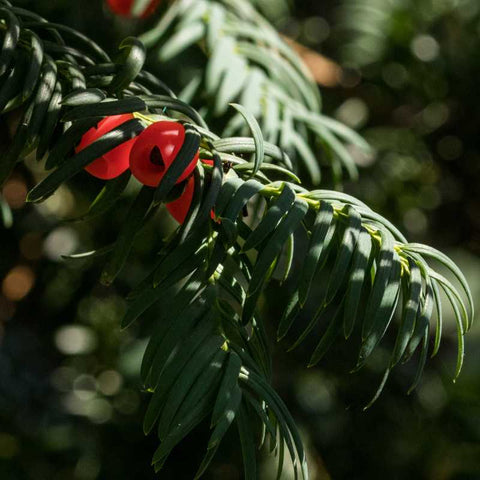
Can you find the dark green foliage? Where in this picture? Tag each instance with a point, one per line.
(246, 61)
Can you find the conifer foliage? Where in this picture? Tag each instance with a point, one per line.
(209, 354)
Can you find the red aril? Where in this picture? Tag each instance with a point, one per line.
(115, 162)
(155, 150)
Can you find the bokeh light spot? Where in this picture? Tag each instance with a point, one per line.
(395, 75)
(314, 392)
(415, 221)
(435, 115)
(109, 382)
(18, 283)
(62, 241)
(99, 411)
(353, 112)
(75, 340)
(425, 48)
(432, 394)
(15, 193)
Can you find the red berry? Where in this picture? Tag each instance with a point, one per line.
(179, 208)
(155, 150)
(115, 162)
(124, 7)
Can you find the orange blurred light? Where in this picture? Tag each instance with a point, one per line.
(18, 283)
(15, 193)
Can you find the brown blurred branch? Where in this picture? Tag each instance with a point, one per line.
(325, 71)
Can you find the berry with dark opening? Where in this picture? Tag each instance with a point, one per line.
(155, 150)
(115, 162)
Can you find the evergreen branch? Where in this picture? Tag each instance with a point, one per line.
(209, 354)
(247, 61)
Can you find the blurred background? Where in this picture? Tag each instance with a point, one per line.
(402, 72)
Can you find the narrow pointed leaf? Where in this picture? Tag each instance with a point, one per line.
(50, 121)
(409, 314)
(247, 443)
(231, 85)
(43, 94)
(322, 224)
(289, 314)
(271, 218)
(448, 263)
(333, 331)
(345, 254)
(227, 418)
(198, 353)
(356, 282)
(423, 356)
(260, 410)
(175, 304)
(229, 381)
(105, 108)
(165, 373)
(134, 54)
(257, 136)
(382, 275)
(379, 389)
(382, 316)
(439, 324)
(423, 317)
(180, 328)
(10, 38)
(36, 60)
(190, 247)
(274, 245)
(84, 97)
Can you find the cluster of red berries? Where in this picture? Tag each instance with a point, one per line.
(124, 7)
(148, 157)
(150, 154)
